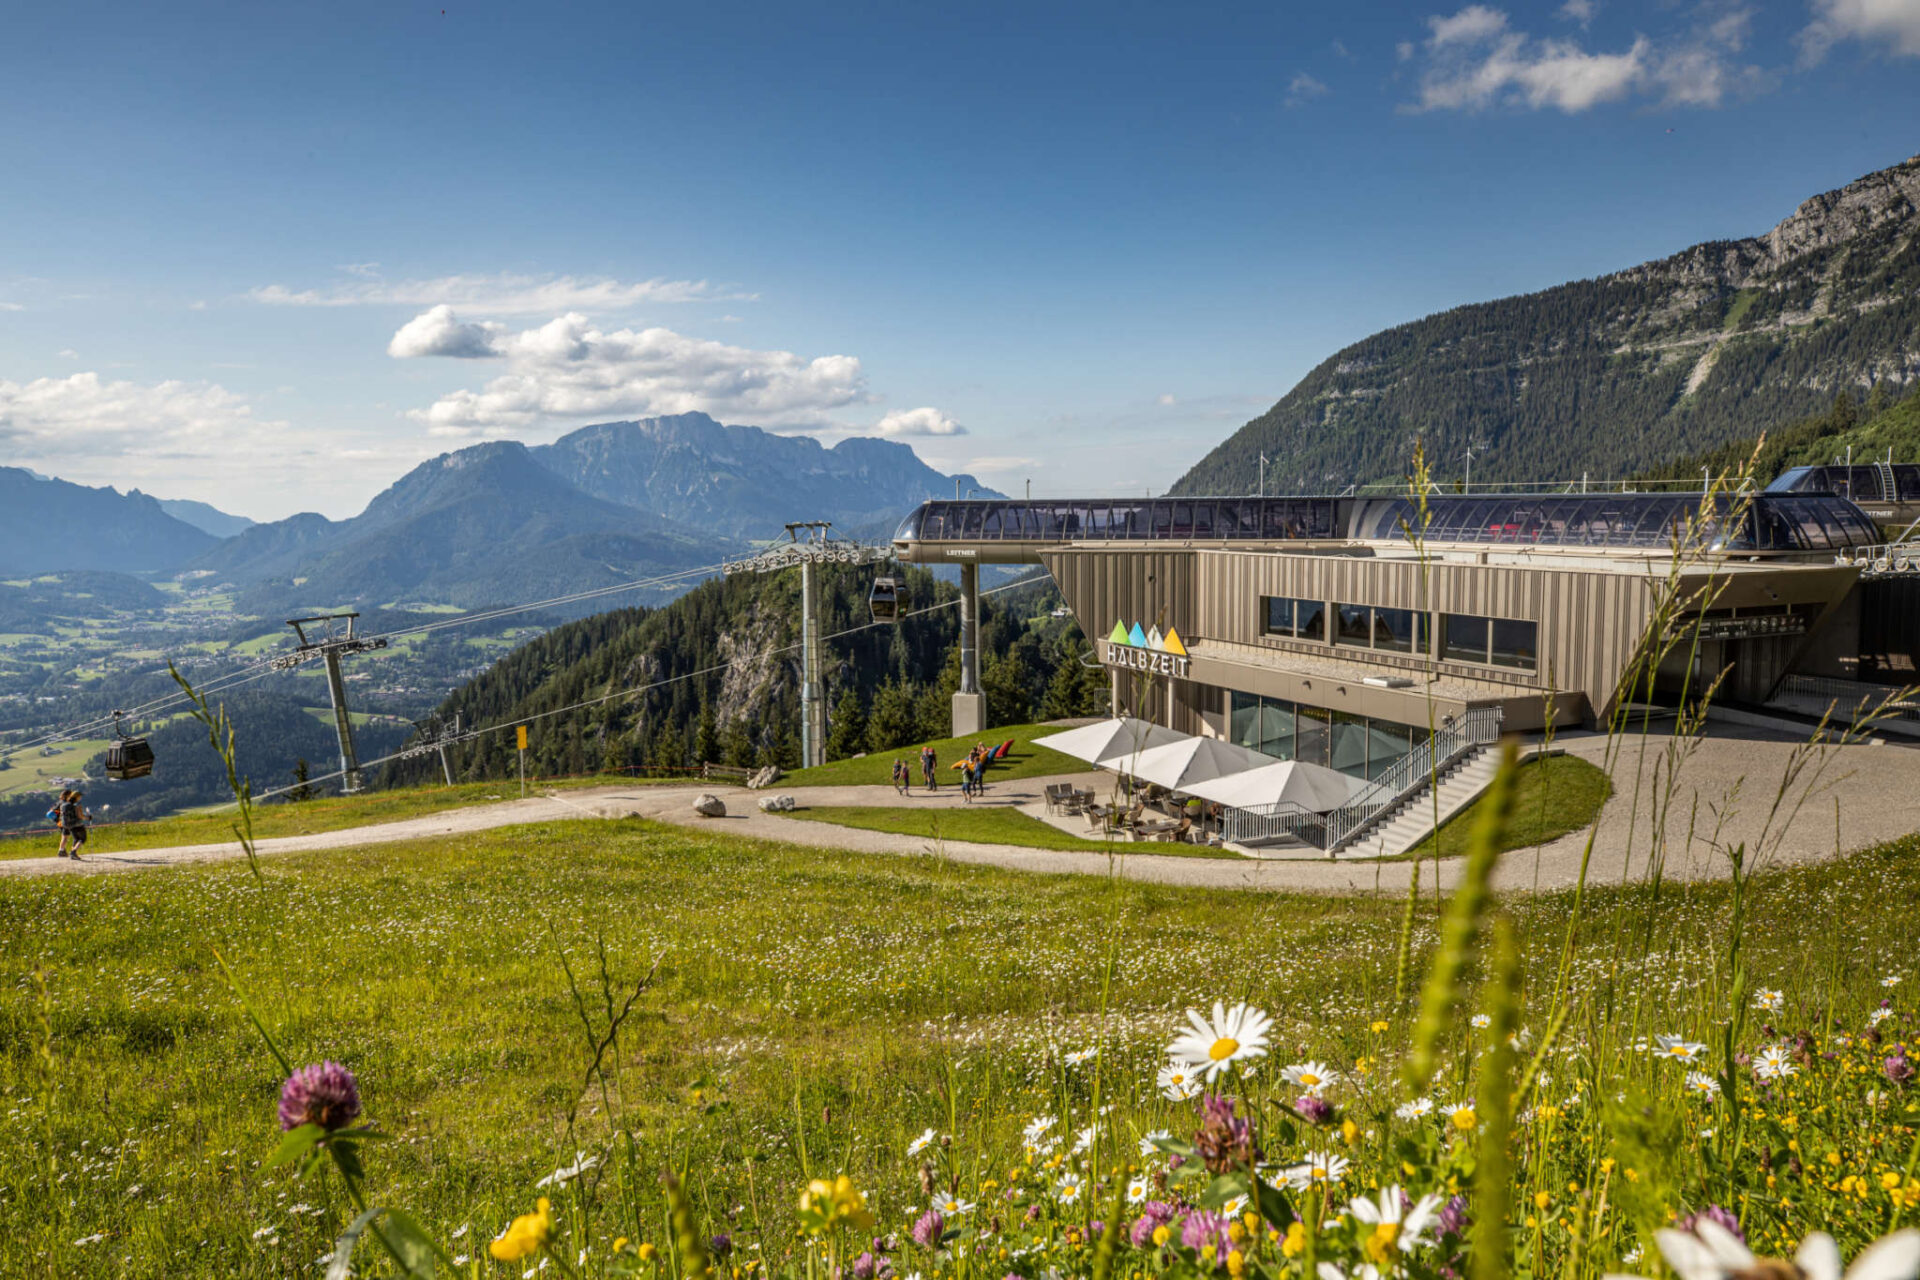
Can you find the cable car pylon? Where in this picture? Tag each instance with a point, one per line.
(810, 543)
(329, 647)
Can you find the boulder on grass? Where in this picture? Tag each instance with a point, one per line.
(710, 806)
(776, 804)
(764, 778)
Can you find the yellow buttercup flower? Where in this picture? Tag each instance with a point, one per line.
(1296, 1241)
(825, 1203)
(528, 1235)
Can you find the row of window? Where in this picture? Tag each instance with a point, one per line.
(1464, 637)
(1356, 745)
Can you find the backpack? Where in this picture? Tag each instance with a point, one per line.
(70, 814)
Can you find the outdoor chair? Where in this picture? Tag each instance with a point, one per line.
(1057, 795)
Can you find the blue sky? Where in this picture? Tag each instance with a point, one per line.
(272, 257)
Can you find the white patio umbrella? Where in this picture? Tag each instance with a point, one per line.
(1109, 740)
(1311, 786)
(1179, 765)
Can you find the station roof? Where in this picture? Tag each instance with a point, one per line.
(1724, 523)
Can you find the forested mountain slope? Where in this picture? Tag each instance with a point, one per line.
(1617, 374)
(49, 525)
(724, 665)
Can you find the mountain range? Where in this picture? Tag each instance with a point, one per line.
(495, 522)
(1616, 374)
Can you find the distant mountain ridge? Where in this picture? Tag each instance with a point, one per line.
(608, 503)
(1616, 374)
(48, 525)
(206, 518)
(742, 481)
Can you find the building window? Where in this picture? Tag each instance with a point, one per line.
(1499, 642)
(1387, 630)
(1293, 619)
(1355, 745)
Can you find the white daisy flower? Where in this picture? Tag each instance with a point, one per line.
(1147, 1140)
(1771, 1001)
(1178, 1082)
(1774, 1063)
(581, 1163)
(1036, 1127)
(1891, 980)
(1393, 1208)
(1699, 1082)
(1878, 1016)
(1085, 1138)
(1678, 1048)
(1138, 1190)
(952, 1206)
(1481, 1020)
(1310, 1076)
(1711, 1252)
(1068, 1188)
(1234, 1207)
(1415, 1109)
(920, 1143)
(1231, 1035)
(1079, 1056)
(1319, 1168)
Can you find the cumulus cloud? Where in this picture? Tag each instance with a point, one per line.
(1304, 88)
(569, 368)
(918, 422)
(439, 333)
(503, 293)
(1580, 11)
(50, 420)
(1474, 60)
(1892, 24)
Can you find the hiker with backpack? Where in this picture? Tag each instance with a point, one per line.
(71, 817)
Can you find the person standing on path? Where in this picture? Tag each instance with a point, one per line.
(58, 817)
(929, 767)
(73, 823)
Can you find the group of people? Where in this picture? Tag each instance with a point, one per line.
(973, 771)
(71, 817)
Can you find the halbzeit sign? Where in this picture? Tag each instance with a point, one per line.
(1146, 650)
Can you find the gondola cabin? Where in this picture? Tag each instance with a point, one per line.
(884, 600)
(129, 758)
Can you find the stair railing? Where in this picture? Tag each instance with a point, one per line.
(1475, 728)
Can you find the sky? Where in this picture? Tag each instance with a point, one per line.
(271, 257)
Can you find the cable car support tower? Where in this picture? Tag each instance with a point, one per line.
(333, 638)
(810, 543)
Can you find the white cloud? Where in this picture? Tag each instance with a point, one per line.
(1474, 24)
(503, 293)
(1304, 88)
(1168, 400)
(1580, 11)
(569, 368)
(1892, 23)
(439, 333)
(54, 420)
(918, 422)
(11, 306)
(67, 353)
(1475, 60)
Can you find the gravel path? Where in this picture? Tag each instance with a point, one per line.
(1726, 795)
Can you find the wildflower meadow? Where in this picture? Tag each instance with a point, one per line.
(637, 1050)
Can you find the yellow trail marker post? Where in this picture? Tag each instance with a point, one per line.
(520, 737)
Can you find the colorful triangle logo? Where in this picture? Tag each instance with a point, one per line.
(1136, 637)
(1153, 640)
(1172, 643)
(1119, 635)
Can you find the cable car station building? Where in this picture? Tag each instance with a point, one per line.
(1319, 628)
